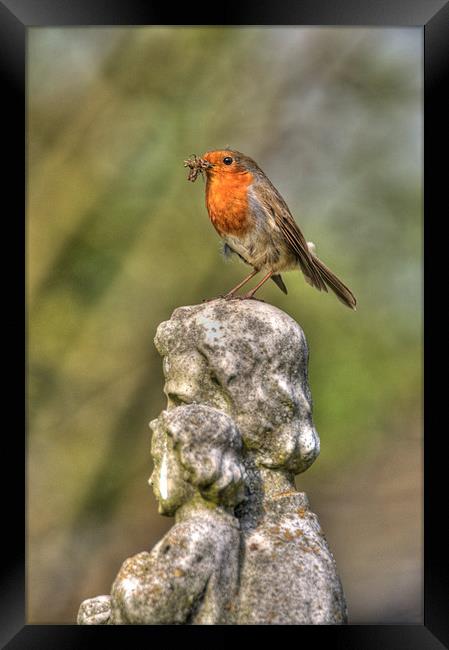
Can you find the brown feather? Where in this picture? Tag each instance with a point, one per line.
(277, 279)
(274, 204)
(342, 292)
(316, 273)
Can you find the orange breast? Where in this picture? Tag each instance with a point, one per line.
(227, 202)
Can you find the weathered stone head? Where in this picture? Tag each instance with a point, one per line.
(191, 575)
(249, 360)
(196, 449)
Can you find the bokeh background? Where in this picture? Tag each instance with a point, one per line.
(117, 239)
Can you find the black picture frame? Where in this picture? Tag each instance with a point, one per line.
(16, 16)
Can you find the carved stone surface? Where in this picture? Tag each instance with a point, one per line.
(236, 371)
(191, 575)
(288, 574)
(248, 359)
(95, 611)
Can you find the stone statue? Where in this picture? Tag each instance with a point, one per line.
(247, 360)
(191, 575)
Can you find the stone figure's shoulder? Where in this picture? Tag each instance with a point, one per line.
(192, 536)
(185, 542)
(161, 586)
(139, 561)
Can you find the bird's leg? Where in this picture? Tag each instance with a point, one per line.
(240, 284)
(251, 293)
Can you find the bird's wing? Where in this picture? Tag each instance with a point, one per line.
(273, 204)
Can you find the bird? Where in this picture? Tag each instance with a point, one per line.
(255, 223)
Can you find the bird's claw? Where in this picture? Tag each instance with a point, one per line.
(252, 298)
(204, 300)
(244, 297)
(228, 296)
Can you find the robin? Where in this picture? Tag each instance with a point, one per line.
(255, 223)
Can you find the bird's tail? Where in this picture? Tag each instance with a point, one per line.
(342, 292)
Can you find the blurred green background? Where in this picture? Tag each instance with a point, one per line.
(117, 239)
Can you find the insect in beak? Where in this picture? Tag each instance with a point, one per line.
(196, 166)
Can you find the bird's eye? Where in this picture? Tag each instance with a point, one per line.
(228, 160)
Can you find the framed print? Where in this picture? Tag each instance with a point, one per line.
(342, 105)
